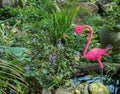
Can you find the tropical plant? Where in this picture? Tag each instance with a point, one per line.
(11, 78)
(60, 23)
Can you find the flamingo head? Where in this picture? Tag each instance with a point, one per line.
(78, 29)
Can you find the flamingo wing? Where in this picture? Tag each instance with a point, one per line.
(96, 54)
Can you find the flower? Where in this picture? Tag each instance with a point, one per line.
(78, 54)
(52, 57)
(27, 69)
(59, 45)
(33, 40)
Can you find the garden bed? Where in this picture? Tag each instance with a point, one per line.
(39, 51)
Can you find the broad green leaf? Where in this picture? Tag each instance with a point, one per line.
(18, 51)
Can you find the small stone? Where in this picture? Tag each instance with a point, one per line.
(83, 88)
(46, 91)
(61, 90)
(13, 3)
(98, 88)
(77, 92)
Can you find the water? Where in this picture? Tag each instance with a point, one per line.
(112, 85)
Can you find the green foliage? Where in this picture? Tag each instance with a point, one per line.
(113, 15)
(61, 24)
(94, 20)
(27, 44)
(39, 43)
(116, 57)
(7, 12)
(11, 76)
(111, 70)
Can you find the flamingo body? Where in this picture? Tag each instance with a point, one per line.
(95, 54)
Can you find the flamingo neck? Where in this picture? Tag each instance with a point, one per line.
(89, 39)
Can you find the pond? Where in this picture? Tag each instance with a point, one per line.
(112, 84)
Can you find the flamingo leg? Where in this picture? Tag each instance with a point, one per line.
(100, 63)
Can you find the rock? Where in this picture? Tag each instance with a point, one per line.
(98, 88)
(62, 91)
(86, 88)
(79, 89)
(89, 7)
(108, 36)
(6, 3)
(13, 3)
(82, 89)
(104, 1)
(59, 1)
(86, 9)
(46, 91)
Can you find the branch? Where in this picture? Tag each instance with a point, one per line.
(85, 70)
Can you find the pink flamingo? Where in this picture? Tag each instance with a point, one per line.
(95, 53)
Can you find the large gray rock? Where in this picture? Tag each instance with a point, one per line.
(108, 36)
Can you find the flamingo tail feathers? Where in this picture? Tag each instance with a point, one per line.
(108, 47)
(100, 63)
